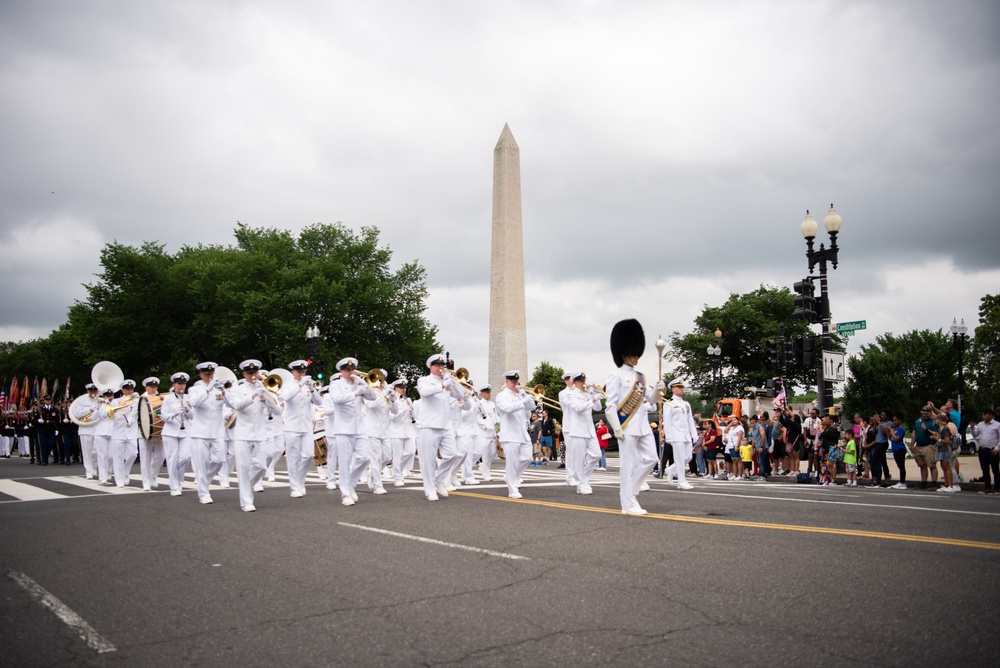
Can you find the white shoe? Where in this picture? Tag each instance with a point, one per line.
(684, 485)
(347, 501)
(634, 511)
(205, 501)
(451, 488)
(471, 481)
(899, 485)
(601, 468)
(331, 487)
(398, 483)
(584, 488)
(956, 488)
(515, 495)
(175, 492)
(379, 491)
(442, 491)
(571, 482)
(259, 487)
(249, 509)
(224, 485)
(88, 477)
(432, 496)
(354, 495)
(297, 494)
(487, 478)
(147, 488)
(270, 477)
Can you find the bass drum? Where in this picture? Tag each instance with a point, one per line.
(150, 425)
(320, 451)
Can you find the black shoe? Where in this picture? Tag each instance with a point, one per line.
(561, 466)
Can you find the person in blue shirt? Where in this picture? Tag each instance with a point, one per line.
(898, 447)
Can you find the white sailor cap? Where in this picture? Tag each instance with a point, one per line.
(107, 391)
(207, 367)
(579, 375)
(250, 366)
(568, 375)
(298, 365)
(89, 387)
(152, 380)
(180, 377)
(128, 382)
(399, 382)
(347, 362)
(676, 382)
(484, 388)
(513, 374)
(436, 358)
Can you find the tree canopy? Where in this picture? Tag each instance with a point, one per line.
(153, 312)
(985, 358)
(746, 321)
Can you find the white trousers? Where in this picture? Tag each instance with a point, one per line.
(637, 457)
(229, 465)
(124, 453)
(177, 450)
(466, 445)
(403, 450)
(486, 446)
(209, 453)
(275, 448)
(572, 478)
(299, 451)
(586, 455)
(150, 461)
(332, 461)
(379, 454)
(682, 457)
(353, 457)
(4, 446)
(517, 455)
(102, 451)
(251, 463)
(89, 455)
(434, 472)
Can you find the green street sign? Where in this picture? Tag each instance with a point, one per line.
(851, 327)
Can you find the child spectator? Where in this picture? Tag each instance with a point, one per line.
(944, 455)
(851, 461)
(746, 459)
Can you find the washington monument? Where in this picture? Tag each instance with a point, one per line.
(508, 342)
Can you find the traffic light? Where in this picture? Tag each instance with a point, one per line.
(805, 300)
(808, 346)
(317, 367)
(772, 352)
(769, 387)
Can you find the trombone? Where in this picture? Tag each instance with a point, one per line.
(538, 394)
(598, 389)
(461, 376)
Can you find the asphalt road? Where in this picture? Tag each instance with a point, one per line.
(729, 573)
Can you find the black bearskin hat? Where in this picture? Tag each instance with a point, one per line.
(627, 338)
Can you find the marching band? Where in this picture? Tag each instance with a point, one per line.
(358, 426)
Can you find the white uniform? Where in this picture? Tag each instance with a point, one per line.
(299, 400)
(637, 450)
(207, 440)
(102, 441)
(571, 477)
(581, 436)
(437, 434)
(514, 409)
(249, 435)
(487, 421)
(680, 431)
(87, 408)
(176, 412)
(229, 461)
(377, 414)
(465, 432)
(125, 439)
(151, 455)
(401, 436)
(344, 403)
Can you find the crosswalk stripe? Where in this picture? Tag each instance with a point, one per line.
(24, 492)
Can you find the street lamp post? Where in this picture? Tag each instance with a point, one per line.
(715, 361)
(661, 345)
(832, 223)
(312, 333)
(958, 337)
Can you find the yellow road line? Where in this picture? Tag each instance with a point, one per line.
(954, 542)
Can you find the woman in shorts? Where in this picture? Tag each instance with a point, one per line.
(943, 454)
(711, 448)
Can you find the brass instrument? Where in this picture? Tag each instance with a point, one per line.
(538, 394)
(88, 419)
(272, 382)
(461, 376)
(598, 389)
(126, 402)
(373, 378)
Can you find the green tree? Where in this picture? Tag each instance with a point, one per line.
(984, 360)
(551, 377)
(901, 373)
(747, 321)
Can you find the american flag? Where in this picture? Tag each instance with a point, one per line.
(779, 401)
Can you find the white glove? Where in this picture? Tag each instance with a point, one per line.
(660, 386)
(41, 421)
(449, 383)
(361, 391)
(615, 424)
(57, 432)
(259, 392)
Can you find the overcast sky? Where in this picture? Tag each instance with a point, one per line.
(669, 150)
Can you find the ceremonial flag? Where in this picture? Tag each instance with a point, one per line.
(25, 394)
(66, 394)
(3, 396)
(34, 390)
(45, 388)
(55, 389)
(779, 401)
(14, 394)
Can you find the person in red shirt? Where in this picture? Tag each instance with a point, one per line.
(603, 436)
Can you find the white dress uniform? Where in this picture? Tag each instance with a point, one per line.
(437, 430)
(514, 409)
(638, 450)
(486, 438)
(87, 408)
(466, 433)
(299, 396)
(345, 403)
(401, 437)
(229, 461)
(249, 436)
(378, 412)
(571, 477)
(178, 418)
(102, 440)
(125, 438)
(581, 436)
(207, 440)
(151, 450)
(463, 440)
(680, 431)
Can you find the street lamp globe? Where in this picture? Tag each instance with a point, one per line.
(831, 222)
(808, 226)
(718, 334)
(962, 329)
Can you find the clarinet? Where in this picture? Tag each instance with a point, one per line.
(181, 397)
